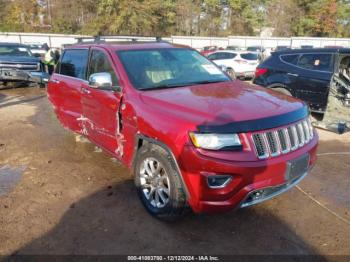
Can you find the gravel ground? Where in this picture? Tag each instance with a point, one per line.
(61, 195)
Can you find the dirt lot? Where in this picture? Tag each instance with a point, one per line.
(61, 195)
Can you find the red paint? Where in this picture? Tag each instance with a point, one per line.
(168, 116)
(207, 50)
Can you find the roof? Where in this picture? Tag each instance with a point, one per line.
(234, 51)
(314, 50)
(128, 45)
(12, 44)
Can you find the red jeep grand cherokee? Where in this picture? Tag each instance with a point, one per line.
(191, 135)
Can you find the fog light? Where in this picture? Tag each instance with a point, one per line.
(257, 195)
(219, 181)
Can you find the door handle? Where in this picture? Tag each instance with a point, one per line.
(84, 90)
(54, 81)
(291, 74)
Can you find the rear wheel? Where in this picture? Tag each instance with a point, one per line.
(158, 183)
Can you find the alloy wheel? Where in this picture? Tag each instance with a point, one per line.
(154, 182)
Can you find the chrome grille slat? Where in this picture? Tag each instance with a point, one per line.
(20, 66)
(301, 135)
(296, 139)
(286, 135)
(260, 146)
(272, 143)
(282, 141)
(306, 131)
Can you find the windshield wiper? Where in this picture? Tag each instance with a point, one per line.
(207, 82)
(164, 86)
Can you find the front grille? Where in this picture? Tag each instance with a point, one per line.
(283, 140)
(20, 66)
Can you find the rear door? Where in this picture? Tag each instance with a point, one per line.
(225, 58)
(101, 106)
(65, 87)
(313, 79)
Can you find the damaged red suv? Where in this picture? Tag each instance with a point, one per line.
(193, 137)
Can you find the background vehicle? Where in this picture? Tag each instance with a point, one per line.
(207, 50)
(240, 64)
(18, 64)
(318, 76)
(306, 46)
(333, 46)
(39, 49)
(259, 49)
(191, 135)
(233, 48)
(281, 47)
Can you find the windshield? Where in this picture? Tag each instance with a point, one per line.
(14, 51)
(165, 68)
(250, 56)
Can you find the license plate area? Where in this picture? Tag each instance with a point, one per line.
(297, 167)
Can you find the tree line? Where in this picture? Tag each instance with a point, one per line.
(323, 18)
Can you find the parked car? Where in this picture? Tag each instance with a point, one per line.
(192, 136)
(259, 49)
(207, 50)
(37, 48)
(233, 48)
(239, 64)
(308, 74)
(18, 64)
(306, 46)
(281, 47)
(333, 46)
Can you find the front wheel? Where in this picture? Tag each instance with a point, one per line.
(158, 183)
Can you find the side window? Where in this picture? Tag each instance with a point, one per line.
(227, 55)
(99, 63)
(321, 62)
(291, 59)
(74, 63)
(213, 56)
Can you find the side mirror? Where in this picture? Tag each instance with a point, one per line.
(101, 81)
(37, 55)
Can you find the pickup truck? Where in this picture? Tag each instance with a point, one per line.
(18, 64)
(193, 137)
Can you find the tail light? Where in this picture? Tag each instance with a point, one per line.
(260, 71)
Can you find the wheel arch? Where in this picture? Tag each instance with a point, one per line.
(141, 140)
(280, 85)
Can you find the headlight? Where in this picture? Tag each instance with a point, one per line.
(216, 141)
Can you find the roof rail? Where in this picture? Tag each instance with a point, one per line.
(103, 39)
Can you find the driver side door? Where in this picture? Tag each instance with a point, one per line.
(100, 107)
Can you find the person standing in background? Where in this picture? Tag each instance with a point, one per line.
(51, 58)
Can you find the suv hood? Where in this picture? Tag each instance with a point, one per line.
(221, 103)
(19, 59)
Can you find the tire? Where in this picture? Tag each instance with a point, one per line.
(42, 85)
(282, 90)
(231, 73)
(156, 172)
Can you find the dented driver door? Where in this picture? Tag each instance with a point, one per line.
(100, 118)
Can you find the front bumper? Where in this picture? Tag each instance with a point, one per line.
(247, 177)
(23, 76)
(270, 192)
